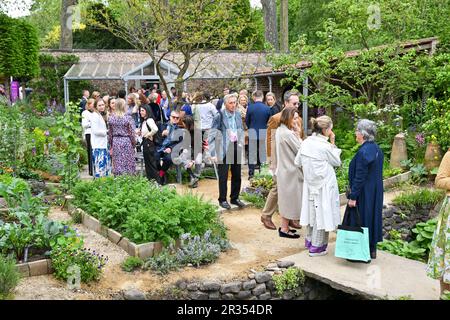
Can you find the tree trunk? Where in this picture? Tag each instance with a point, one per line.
(270, 22)
(165, 44)
(284, 28)
(66, 17)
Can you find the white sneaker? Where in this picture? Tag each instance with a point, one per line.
(318, 254)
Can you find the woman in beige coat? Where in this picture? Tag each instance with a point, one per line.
(289, 176)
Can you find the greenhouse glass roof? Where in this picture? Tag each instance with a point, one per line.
(99, 70)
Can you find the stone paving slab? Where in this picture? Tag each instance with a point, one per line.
(387, 277)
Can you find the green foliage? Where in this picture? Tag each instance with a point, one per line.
(132, 263)
(49, 87)
(258, 200)
(417, 249)
(198, 250)
(18, 48)
(9, 277)
(419, 198)
(69, 131)
(12, 138)
(68, 256)
(164, 262)
(292, 278)
(437, 122)
(445, 295)
(144, 212)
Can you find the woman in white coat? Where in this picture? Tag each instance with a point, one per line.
(99, 140)
(289, 176)
(320, 204)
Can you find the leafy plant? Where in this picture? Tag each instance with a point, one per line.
(9, 277)
(144, 212)
(131, 263)
(417, 249)
(67, 253)
(419, 198)
(164, 262)
(292, 278)
(198, 250)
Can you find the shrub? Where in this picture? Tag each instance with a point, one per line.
(198, 250)
(131, 263)
(68, 253)
(420, 197)
(164, 262)
(417, 249)
(144, 212)
(292, 278)
(9, 277)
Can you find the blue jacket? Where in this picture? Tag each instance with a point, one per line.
(258, 115)
(218, 137)
(174, 137)
(366, 183)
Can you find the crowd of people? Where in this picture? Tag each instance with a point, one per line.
(238, 129)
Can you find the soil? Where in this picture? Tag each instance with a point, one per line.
(253, 247)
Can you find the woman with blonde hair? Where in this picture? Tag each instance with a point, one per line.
(320, 202)
(122, 140)
(289, 176)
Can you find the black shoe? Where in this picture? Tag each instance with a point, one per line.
(225, 205)
(373, 254)
(238, 202)
(289, 234)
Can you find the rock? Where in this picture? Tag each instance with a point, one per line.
(288, 295)
(253, 271)
(228, 296)
(181, 284)
(275, 269)
(233, 287)
(192, 286)
(261, 277)
(243, 295)
(133, 294)
(214, 295)
(271, 265)
(270, 285)
(259, 289)
(198, 295)
(265, 296)
(285, 264)
(388, 213)
(313, 295)
(278, 272)
(251, 276)
(253, 298)
(249, 285)
(210, 286)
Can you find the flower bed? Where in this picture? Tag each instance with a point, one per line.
(140, 216)
(408, 223)
(37, 244)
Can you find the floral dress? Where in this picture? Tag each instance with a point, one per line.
(122, 143)
(439, 260)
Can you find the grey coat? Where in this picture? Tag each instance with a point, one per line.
(218, 139)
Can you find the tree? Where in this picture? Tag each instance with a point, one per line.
(284, 24)
(193, 29)
(271, 22)
(67, 12)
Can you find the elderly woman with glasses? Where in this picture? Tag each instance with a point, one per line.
(366, 183)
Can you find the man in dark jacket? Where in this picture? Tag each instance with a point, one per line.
(84, 100)
(226, 142)
(258, 115)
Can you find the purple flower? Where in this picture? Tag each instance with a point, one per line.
(321, 112)
(420, 139)
(47, 133)
(33, 151)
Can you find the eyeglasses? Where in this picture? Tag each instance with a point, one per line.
(175, 117)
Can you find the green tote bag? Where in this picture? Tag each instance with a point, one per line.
(352, 242)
